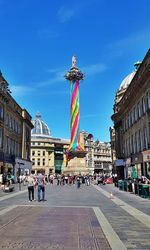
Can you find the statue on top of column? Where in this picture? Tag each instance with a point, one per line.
(73, 61)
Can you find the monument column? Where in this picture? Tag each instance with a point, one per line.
(76, 149)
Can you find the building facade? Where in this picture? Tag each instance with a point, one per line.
(113, 148)
(15, 134)
(98, 157)
(47, 152)
(132, 122)
(102, 157)
(88, 145)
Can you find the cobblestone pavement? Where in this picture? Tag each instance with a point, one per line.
(72, 218)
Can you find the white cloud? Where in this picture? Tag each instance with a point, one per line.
(56, 76)
(20, 90)
(65, 14)
(93, 69)
(132, 42)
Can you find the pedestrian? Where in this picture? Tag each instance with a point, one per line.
(31, 184)
(78, 181)
(41, 186)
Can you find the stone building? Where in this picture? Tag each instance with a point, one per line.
(47, 152)
(15, 134)
(132, 122)
(113, 150)
(88, 141)
(102, 157)
(98, 157)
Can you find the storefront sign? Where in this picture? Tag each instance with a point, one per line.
(119, 163)
(146, 157)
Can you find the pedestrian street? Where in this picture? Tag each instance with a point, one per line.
(91, 217)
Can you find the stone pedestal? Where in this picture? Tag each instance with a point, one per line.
(77, 163)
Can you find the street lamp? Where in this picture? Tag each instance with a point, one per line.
(19, 172)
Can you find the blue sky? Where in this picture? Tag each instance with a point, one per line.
(38, 39)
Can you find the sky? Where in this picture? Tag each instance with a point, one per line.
(38, 39)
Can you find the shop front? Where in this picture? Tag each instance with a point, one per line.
(128, 168)
(137, 161)
(120, 168)
(22, 167)
(146, 163)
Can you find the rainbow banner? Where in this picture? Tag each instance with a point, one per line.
(74, 75)
(75, 117)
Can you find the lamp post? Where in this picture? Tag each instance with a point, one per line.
(19, 172)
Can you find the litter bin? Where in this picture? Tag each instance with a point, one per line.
(144, 191)
(121, 184)
(125, 185)
(130, 186)
(136, 186)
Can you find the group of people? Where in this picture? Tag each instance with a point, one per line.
(34, 181)
(40, 180)
(72, 179)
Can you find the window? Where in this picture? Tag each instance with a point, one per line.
(136, 142)
(1, 113)
(43, 162)
(16, 127)
(33, 153)
(43, 153)
(138, 110)
(38, 162)
(19, 130)
(38, 152)
(140, 141)
(33, 161)
(7, 120)
(145, 139)
(135, 114)
(39, 143)
(149, 100)
(1, 137)
(132, 144)
(132, 116)
(130, 119)
(143, 105)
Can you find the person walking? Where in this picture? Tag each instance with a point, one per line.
(78, 181)
(31, 184)
(41, 186)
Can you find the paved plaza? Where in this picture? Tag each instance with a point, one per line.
(73, 219)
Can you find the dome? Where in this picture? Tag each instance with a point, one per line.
(127, 80)
(40, 128)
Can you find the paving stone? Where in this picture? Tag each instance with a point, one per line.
(53, 228)
(81, 222)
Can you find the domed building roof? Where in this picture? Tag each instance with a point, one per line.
(40, 128)
(127, 80)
